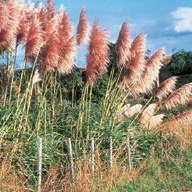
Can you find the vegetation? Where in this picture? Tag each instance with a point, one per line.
(169, 174)
(181, 63)
(116, 96)
(180, 66)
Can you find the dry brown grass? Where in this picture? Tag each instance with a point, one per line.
(10, 180)
(59, 178)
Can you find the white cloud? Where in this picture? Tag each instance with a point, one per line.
(183, 19)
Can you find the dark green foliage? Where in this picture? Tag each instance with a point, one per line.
(181, 63)
(181, 66)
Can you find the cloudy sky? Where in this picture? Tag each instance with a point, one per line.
(166, 23)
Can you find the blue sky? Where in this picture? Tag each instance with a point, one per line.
(166, 23)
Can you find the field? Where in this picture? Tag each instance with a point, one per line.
(122, 123)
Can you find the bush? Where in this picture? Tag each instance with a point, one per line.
(181, 63)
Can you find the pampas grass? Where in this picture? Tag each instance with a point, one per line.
(4, 15)
(9, 20)
(97, 58)
(183, 120)
(34, 40)
(66, 44)
(148, 113)
(82, 28)
(50, 9)
(123, 45)
(150, 75)
(31, 109)
(134, 110)
(178, 97)
(66, 59)
(36, 77)
(42, 15)
(166, 88)
(49, 55)
(65, 27)
(22, 29)
(155, 121)
(137, 63)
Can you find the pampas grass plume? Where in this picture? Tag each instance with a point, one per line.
(97, 58)
(183, 120)
(67, 53)
(82, 28)
(148, 113)
(123, 45)
(155, 121)
(36, 77)
(65, 27)
(34, 39)
(132, 111)
(150, 74)
(166, 87)
(179, 96)
(22, 29)
(50, 9)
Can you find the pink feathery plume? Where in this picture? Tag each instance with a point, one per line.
(179, 96)
(134, 110)
(138, 45)
(123, 45)
(65, 27)
(136, 65)
(165, 88)
(66, 45)
(97, 58)
(148, 113)
(4, 15)
(29, 10)
(82, 28)
(4, 20)
(151, 73)
(34, 39)
(42, 15)
(66, 60)
(50, 9)
(50, 28)
(9, 19)
(155, 61)
(183, 120)
(155, 121)
(49, 55)
(22, 29)
(36, 77)
(15, 10)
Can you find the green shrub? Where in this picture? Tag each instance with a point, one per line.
(181, 63)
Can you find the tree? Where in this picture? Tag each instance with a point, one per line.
(181, 63)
